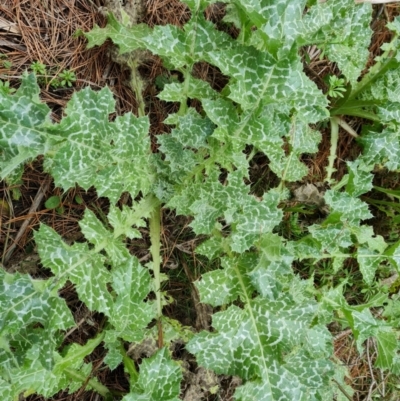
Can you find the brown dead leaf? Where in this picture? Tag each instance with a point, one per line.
(10, 27)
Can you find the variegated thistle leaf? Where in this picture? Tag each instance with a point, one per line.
(341, 29)
(159, 379)
(382, 147)
(130, 314)
(259, 79)
(278, 23)
(85, 148)
(268, 89)
(185, 147)
(31, 376)
(338, 234)
(186, 46)
(24, 304)
(32, 314)
(23, 128)
(194, 89)
(128, 38)
(212, 201)
(359, 178)
(265, 341)
(268, 132)
(111, 156)
(381, 95)
(80, 265)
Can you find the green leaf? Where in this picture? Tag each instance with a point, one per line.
(351, 209)
(53, 202)
(259, 79)
(367, 326)
(369, 262)
(365, 235)
(123, 220)
(159, 379)
(23, 124)
(382, 147)
(130, 313)
(95, 232)
(74, 355)
(113, 157)
(198, 5)
(388, 347)
(76, 263)
(360, 178)
(128, 38)
(114, 356)
(261, 342)
(193, 88)
(341, 29)
(278, 23)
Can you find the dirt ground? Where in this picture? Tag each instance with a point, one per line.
(43, 31)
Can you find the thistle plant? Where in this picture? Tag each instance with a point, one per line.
(270, 325)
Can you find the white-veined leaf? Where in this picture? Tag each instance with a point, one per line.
(23, 127)
(76, 263)
(159, 379)
(111, 156)
(341, 29)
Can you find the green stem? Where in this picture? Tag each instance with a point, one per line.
(183, 106)
(354, 104)
(98, 387)
(356, 113)
(155, 219)
(129, 365)
(334, 141)
(376, 70)
(136, 84)
(155, 249)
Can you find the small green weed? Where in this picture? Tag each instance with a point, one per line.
(64, 79)
(38, 68)
(5, 87)
(336, 86)
(5, 62)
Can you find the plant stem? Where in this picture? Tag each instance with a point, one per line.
(334, 141)
(183, 106)
(136, 84)
(155, 234)
(356, 113)
(155, 219)
(98, 387)
(376, 70)
(129, 365)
